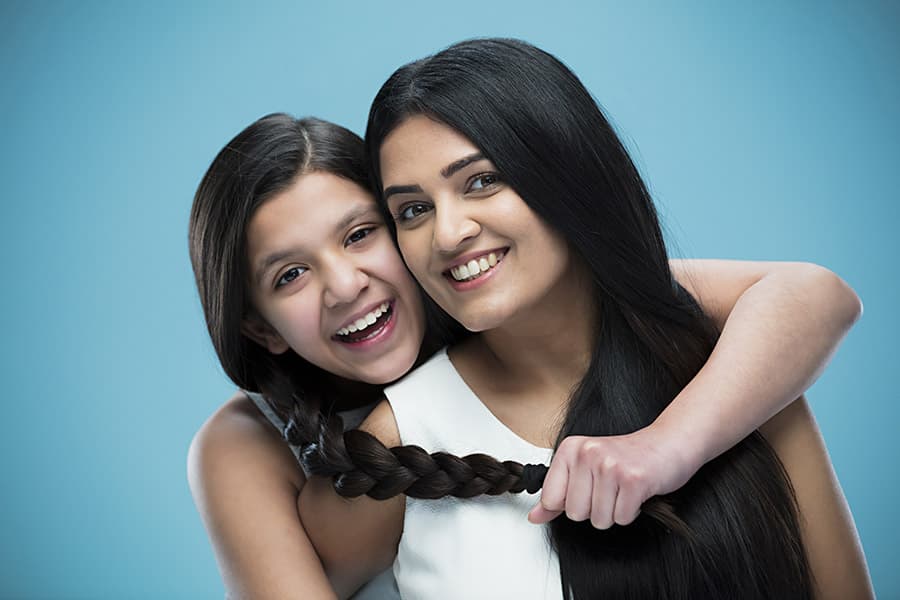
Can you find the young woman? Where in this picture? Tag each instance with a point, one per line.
(290, 254)
(518, 210)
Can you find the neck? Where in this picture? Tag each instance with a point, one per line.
(547, 346)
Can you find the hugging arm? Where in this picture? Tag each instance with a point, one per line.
(246, 482)
(780, 323)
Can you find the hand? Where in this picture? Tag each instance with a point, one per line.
(607, 479)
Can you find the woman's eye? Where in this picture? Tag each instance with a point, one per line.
(410, 211)
(484, 181)
(289, 276)
(359, 235)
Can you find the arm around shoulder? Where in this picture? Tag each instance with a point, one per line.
(780, 324)
(245, 483)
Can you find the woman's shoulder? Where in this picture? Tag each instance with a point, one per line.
(829, 534)
(237, 438)
(381, 423)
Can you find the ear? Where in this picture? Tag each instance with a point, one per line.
(263, 334)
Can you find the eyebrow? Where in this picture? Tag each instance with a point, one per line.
(447, 172)
(455, 166)
(266, 263)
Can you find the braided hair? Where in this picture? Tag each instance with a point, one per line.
(258, 163)
(360, 464)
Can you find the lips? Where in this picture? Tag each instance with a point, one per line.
(366, 325)
(474, 265)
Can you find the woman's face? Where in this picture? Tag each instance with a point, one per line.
(470, 240)
(326, 281)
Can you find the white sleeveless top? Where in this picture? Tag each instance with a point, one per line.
(482, 547)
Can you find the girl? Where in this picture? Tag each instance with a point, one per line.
(518, 210)
(290, 253)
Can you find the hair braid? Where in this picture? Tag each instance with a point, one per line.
(359, 464)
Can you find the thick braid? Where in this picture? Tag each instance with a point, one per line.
(381, 473)
(360, 464)
(321, 441)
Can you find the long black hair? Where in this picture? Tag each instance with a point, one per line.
(258, 163)
(532, 117)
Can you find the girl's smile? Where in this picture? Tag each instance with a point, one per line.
(328, 282)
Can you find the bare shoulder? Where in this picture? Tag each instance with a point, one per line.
(237, 435)
(356, 538)
(245, 482)
(829, 533)
(382, 424)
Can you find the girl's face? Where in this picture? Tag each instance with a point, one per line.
(326, 281)
(470, 240)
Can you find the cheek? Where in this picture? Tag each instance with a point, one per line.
(415, 248)
(296, 319)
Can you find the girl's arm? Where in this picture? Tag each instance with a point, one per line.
(355, 538)
(780, 324)
(246, 482)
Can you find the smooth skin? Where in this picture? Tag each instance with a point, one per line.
(313, 276)
(246, 482)
(451, 218)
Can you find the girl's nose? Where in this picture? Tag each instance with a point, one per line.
(344, 282)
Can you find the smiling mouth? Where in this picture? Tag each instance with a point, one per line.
(475, 268)
(367, 326)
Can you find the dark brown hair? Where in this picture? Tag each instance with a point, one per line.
(260, 162)
(532, 117)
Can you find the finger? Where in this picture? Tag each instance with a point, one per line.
(579, 492)
(553, 492)
(627, 505)
(603, 501)
(540, 515)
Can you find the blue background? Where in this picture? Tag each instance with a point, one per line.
(765, 132)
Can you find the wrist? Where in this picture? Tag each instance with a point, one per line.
(683, 448)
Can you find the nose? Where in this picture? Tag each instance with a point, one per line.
(344, 281)
(453, 226)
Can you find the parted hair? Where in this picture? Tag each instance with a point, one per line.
(549, 140)
(260, 162)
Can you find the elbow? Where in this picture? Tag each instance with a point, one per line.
(845, 306)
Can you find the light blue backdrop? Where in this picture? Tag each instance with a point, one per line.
(765, 131)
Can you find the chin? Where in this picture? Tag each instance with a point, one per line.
(392, 371)
(484, 316)
(480, 323)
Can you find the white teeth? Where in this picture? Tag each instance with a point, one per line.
(476, 267)
(364, 321)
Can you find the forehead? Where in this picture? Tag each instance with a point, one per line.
(420, 147)
(309, 210)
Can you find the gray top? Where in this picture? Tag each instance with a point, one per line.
(382, 587)
(352, 418)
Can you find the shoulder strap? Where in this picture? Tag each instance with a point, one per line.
(260, 401)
